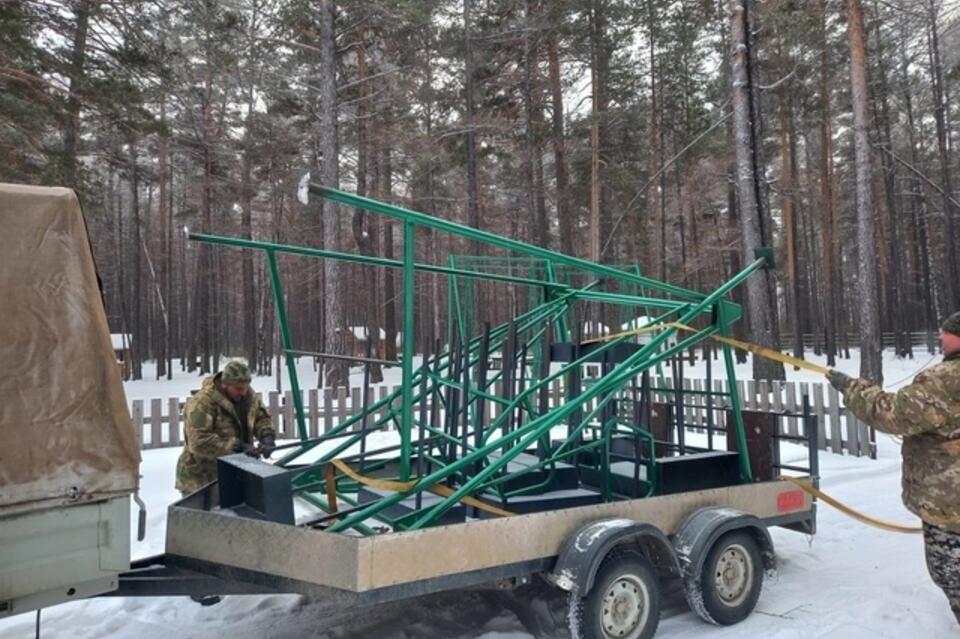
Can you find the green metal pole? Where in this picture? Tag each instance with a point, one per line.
(493, 239)
(287, 344)
(734, 398)
(562, 335)
(408, 337)
(370, 260)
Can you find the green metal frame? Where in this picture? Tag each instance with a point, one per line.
(558, 283)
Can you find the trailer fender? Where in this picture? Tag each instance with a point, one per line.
(582, 553)
(696, 536)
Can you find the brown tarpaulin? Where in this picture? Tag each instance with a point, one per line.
(65, 432)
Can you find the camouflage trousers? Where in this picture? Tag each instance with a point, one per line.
(943, 561)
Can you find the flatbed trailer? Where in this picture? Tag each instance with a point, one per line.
(481, 493)
(609, 557)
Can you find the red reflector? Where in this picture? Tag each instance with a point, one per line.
(789, 500)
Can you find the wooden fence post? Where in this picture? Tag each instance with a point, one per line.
(792, 407)
(156, 423)
(313, 402)
(327, 410)
(341, 405)
(136, 415)
(273, 401)
(174, 431)
(836, 433)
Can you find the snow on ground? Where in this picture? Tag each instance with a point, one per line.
(848, 581)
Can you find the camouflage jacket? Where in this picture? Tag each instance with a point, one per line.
(212, 429)
(927, 414)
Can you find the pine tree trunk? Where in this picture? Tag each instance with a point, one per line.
(565, 212)
(896, 291)
(871, 366)
(390, 289)
(948, 265)
(536, 205)
(336, 373)
(760, 286)
(917, 199)
(364, 229)
(827, 223)
(249, 307)
(788, 202)
(139, 350)
(164, 213)
(71, 179)
(473, 188)
(596, 178)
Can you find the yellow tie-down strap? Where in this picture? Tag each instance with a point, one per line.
(806, 487)
(762, 351)
(403, 486)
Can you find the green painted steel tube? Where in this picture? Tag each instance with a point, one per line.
(735, 400)
(630, 300)
(322, 505)
(369, 260)
(406, 422)
(492, 239)
(287, 344)
(561, 322)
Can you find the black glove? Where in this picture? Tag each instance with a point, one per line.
(268, 443)
(838, 380)
(244, 447)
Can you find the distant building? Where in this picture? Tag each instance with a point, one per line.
(123, 351)
(356, 338)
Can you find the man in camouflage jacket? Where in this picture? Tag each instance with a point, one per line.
(927, 414)
(224, 417)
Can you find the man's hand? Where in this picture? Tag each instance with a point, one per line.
(244, 447)
(268, 444)
(838, 380)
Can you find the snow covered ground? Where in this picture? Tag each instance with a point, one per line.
(848, 581)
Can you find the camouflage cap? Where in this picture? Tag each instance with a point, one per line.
(951, 324)
(235, 372)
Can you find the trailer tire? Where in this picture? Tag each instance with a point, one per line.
(624, 602)
(728, 585)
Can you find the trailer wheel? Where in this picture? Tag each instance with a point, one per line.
(624, 602)
(728, 586)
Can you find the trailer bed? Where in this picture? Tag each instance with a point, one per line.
(458, 555)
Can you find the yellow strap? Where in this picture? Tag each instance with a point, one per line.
(847, 510)
(382, 484)
(769, 353)
(762, 351)
(403, 486)
(446, 491)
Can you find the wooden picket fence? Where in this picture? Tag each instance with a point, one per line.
(839, 431)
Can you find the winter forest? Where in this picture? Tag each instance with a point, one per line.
(673, 135)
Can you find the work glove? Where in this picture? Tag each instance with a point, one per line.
(838, 380)
(244, 447)
(268, 443)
